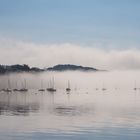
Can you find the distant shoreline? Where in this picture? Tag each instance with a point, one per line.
(6, 69)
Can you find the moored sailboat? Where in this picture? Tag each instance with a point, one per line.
(8, 89)
(68, 88)
(41, 89)
(51, 86)
(24, 89)
(135, 87)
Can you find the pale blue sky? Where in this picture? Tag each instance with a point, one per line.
(72, 21)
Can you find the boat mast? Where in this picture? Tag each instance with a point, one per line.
(9, 84)
(68, 84)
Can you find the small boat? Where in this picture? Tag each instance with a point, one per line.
(16, 89)
(7, 90)
(41, 89)
(24, 89)
(51, 88)
(9, 87)
(104, 88)
(68, 88)
(135, 87)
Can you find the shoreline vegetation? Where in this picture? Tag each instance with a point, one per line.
(5, 69)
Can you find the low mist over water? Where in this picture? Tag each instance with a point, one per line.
(77, 79)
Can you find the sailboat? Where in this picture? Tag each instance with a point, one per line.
(41, 89)
(9, 87)
(16, 89)
(68, 88)
(51, 88)
(104, 88)
(24, 89)
(135, 88)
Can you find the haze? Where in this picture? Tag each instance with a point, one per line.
(46, 55)
(78, 80)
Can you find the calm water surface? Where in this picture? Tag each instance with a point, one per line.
(82, 114)
(85, 113)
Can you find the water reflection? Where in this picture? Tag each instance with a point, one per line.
(84, 113)
(63, 110)
(17, 104)
(70, 116)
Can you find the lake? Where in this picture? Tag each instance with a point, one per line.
(86, 112)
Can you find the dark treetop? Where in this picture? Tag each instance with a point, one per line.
(25, 68)
(66, 67)
(18, 68)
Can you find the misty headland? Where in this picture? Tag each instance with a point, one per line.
(80, 77)
(4, 69)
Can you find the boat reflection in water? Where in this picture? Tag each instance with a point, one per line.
(112, 114)
(17, 104)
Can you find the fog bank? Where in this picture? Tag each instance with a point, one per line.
(46, 55)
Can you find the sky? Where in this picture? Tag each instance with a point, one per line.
(73, 21)
(97, 24)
